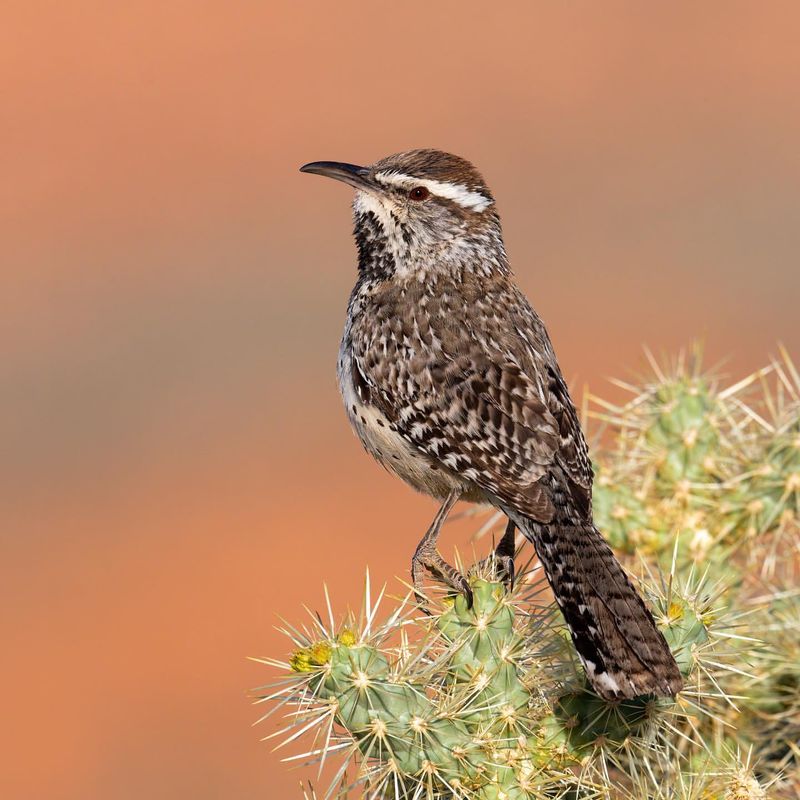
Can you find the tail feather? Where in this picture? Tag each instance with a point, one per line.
(623, 652)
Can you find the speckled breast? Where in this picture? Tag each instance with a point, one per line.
(387, 446)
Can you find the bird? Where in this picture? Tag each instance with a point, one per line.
(450, 380)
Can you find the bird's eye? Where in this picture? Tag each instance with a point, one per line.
(418, 194)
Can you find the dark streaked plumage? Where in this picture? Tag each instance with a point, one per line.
(450, 380)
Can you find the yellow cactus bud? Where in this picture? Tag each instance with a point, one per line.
(319, 653)
(675, 611)
(347, 637)
(300, 661)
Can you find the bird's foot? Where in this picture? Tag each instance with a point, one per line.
(431, 561)
(501, 562)
(500, 565)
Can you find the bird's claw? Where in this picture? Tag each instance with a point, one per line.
(466, 590)
(500, 566)
(500, 563)
(504, 569)
(437, 566)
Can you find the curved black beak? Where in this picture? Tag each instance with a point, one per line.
(356, 176)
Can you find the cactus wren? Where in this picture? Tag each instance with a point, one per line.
(450, 381)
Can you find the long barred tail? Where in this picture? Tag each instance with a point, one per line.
(622, 650)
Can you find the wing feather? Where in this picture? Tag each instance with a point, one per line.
(487, 401)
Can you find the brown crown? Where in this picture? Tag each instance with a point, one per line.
(435, 165)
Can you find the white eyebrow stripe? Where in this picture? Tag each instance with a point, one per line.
(456, 192)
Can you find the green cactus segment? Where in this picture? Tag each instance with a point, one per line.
(667, 474)
(683, 431)
(624, 516)
(581, 720)
(484, 644)
(387, 718)
(767, 496)
(485, 676)
(684, 633)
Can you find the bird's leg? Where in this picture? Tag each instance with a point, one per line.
(427, 557)
(504, 554)
(502, 560)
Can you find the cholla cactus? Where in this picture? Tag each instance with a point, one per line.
(458, 714)
(713, 467)
(699, 484)
(483, 704)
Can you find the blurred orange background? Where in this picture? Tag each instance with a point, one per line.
(175, 468)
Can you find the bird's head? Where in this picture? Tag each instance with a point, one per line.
(420, 214)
